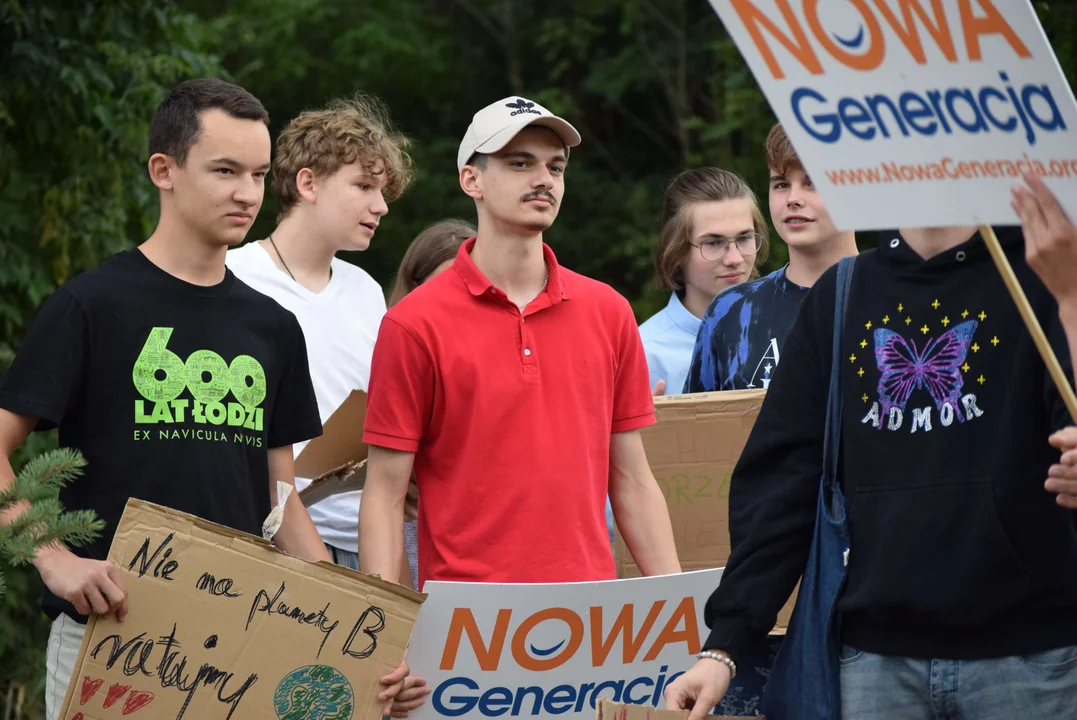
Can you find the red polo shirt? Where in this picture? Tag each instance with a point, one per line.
(509, 416)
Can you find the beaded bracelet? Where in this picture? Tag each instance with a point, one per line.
(722, 658)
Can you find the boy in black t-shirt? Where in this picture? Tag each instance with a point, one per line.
(180, 384)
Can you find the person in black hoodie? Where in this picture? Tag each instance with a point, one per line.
(961, 594)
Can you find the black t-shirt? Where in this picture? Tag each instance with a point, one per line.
(173, 392)
(739, 341)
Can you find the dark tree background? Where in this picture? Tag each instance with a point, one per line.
(653, 85)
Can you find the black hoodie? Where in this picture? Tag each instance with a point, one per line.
(956, 549)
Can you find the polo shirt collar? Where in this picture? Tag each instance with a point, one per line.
(478, 284)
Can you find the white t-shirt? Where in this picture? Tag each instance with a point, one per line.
(340, 325)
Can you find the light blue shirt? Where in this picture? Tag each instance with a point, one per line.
(668, 339)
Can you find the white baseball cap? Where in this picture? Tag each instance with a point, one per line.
(497, 124)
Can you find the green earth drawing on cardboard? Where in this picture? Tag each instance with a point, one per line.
(314, 692)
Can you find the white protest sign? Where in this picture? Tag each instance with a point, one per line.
(913, 113)
(537, 650)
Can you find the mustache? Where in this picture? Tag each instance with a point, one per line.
(543, 194)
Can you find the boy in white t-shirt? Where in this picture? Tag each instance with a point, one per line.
(336, 170)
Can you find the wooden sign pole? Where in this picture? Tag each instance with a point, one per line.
(1053, 367)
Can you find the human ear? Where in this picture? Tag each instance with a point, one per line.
(306, 185)
(471, 182)
(161, 168)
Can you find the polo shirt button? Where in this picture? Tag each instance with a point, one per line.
(527, 351)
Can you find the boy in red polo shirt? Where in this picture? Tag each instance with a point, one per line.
(515, 389)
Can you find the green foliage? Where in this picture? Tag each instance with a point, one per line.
(76, 92)
(22, 631)
(39, 483)
(75, 99)
(653, 85)
(23, 627)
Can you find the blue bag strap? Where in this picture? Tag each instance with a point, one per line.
(832, 439)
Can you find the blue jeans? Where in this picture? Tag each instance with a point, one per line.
(344, 558)
(1040, 685)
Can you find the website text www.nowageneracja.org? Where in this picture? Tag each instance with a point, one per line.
(949, 169)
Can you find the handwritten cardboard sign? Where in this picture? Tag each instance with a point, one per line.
(913, 113)
(692, 451)
(222, 625)
(609, 710)
(540, 650)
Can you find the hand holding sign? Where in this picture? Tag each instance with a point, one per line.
(699, 689)
(1050, 238)
(1062, 477)
(412, 696)
(92, 586)
(394, 682)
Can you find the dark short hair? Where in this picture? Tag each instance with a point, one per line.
(177, 123)
(479, 160)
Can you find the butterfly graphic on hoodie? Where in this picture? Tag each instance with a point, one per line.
(904, 367)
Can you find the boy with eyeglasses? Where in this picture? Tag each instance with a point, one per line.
(740, 339)
(694, 259)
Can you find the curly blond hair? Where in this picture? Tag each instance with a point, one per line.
(350, 130)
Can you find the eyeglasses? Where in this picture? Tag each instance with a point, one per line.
(715, 248)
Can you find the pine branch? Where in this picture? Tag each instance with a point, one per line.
(44, 520)
(40, 511)
(43, 476)
(19, 550)
(74, 528)
(56, 468)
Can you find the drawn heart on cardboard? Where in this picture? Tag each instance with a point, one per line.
(90, 686)
(115, 692)
(137, 700)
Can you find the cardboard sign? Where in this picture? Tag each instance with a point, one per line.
(222, 625)
(913, 113)
(529, 651)
(340, 443)
(608, 710)
(692, 451)
(347, 477)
